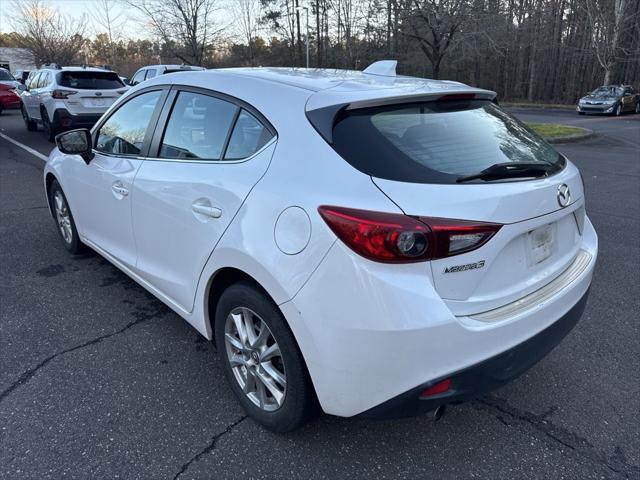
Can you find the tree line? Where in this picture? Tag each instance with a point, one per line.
(538, 50)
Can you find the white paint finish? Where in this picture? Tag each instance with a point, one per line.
(102, 214)
(292, 231)
(174, 240)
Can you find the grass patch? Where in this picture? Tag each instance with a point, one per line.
(553, 130)
(517, 104)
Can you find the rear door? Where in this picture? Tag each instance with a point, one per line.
(209, 150)
(419, 156)
(95, 91)
(31, 96)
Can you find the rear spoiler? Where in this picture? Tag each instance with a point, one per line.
(323, 119)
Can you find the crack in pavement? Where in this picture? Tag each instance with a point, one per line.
(209, 448)
(581, 446)
(140, 317)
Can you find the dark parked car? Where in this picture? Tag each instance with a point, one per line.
(614, 99)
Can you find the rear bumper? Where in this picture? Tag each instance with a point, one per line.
(373, 335)
(63, 119)
(485, 376)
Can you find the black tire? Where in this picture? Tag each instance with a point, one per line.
(637, 107)
(300, 402)
(580, 113)
(31, 125)
(73, 244)
(50, 128)
(618, 110)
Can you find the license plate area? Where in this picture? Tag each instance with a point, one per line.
(96, 102)
(542, 243)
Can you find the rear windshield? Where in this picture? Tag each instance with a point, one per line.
(435, 142)
(90, 80)
(4, 75)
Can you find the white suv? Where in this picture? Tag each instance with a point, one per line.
(68, 97)
(375, 244)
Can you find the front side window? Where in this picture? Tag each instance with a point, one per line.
(123, 133)
(138, 77)
(249, 136)
(198, 127)
(436, 142)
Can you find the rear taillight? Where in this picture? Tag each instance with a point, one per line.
(62, 94)
(398, 238)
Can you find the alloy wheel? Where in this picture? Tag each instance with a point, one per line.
(255, 359)
(63, 216)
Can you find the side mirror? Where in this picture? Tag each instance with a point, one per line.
(21, 87)
(76, 142)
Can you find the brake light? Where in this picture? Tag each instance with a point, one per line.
(453, 237)
(62, 94)
(399, 238)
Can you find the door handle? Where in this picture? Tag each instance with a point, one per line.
(207, 210)
(120, 189)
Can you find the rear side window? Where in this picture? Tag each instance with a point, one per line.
(123, 133)
(89, 80)
(435, 142)
(198, 127)
(138, 77)
(249, 136)
(150, 73)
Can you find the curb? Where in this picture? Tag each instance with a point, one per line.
(576, 137)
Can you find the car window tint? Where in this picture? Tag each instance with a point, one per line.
(435, 142)
(197, 127)
(249, 136)
(123, 133)
(90, 80)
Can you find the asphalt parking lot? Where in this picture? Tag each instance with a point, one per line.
(100, 380)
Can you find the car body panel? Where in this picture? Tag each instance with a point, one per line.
(367, 331)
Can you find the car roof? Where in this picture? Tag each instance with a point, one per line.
(185, 67)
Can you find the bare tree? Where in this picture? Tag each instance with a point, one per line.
(434, 24)
(51, 37)
(607, 27)
(188, 27)
(247, 16)
(111, 21)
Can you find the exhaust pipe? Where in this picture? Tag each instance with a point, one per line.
(439, 412)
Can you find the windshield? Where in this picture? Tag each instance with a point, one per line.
(4, 75)
(436, 142)
(607, 92)
(90, 80)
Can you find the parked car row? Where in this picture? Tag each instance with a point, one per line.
(63, 98)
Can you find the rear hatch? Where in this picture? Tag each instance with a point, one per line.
(95, 91)
(465, 159)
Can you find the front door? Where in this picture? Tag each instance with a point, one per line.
(210, 155)
(102, 189)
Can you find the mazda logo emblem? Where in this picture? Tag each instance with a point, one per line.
(564, 195)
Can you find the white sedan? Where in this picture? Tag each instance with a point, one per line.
(362, 242)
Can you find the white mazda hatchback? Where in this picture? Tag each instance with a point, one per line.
(360, 242)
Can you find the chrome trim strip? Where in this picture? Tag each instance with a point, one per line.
(579, 264)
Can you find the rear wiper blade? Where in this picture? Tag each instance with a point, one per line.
(499, 171)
